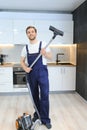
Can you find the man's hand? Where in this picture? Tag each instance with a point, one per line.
(27, 69)
(43, 52)
(24, 66)
(47, 55)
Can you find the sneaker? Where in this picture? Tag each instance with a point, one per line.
(48, 125)
(34, 119)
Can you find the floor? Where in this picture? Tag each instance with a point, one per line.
(68, 111)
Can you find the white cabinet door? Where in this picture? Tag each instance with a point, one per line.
(20, 31)
(62, 78)
(6, 31)
(45, 34)
(68, 78)
(6, 79)
(54, 78)
(67, 28)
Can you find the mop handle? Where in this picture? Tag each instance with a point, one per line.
(32, 98)
(40, 53)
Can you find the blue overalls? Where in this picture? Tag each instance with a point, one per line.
(39, 85)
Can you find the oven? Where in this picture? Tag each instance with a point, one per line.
(19, 77)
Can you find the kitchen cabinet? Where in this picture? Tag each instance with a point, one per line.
(6, 31)
(45, 34)
(19, 27)
(68, 78)
(62, 78)
(14, 31)
(54, 78)
(6, 79)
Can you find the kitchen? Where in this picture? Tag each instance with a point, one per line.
(13, 61)
(69, 56)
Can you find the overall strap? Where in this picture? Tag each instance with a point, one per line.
(27, 49)
(40, 46)
(27, 52)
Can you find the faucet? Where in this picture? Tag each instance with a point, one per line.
(57, 57)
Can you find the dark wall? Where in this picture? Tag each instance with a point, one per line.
(81, 70)
(80, 20)
(80, 37)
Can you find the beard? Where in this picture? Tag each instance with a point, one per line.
(32, 38)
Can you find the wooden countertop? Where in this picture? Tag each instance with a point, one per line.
(10, 65)
(60, 64)
(49, 64)
(7, 65)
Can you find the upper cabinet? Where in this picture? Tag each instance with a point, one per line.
(14, 30)
(19, 31)
(45, 34)
(6, 31)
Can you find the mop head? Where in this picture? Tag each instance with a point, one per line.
(24, 122)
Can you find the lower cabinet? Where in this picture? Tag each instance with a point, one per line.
(62, 78)
(6, 79)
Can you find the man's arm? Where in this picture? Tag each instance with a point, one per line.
(46, 54)
(24, 66)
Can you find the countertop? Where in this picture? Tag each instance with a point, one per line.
(49, 64)
(11, 64)
(60, 64)
(7, 65)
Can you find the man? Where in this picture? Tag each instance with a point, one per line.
(37, 76)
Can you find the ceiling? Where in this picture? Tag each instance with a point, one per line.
(40, 5)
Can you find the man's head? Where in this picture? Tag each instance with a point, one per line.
(31, 32)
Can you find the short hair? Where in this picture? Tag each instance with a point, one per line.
(31, 27)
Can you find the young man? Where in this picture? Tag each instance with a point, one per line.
(37, 76)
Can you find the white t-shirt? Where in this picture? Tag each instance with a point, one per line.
(34, 48)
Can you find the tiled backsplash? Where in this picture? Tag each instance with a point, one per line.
(14, 53)
(64, 50)
(69, 52)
